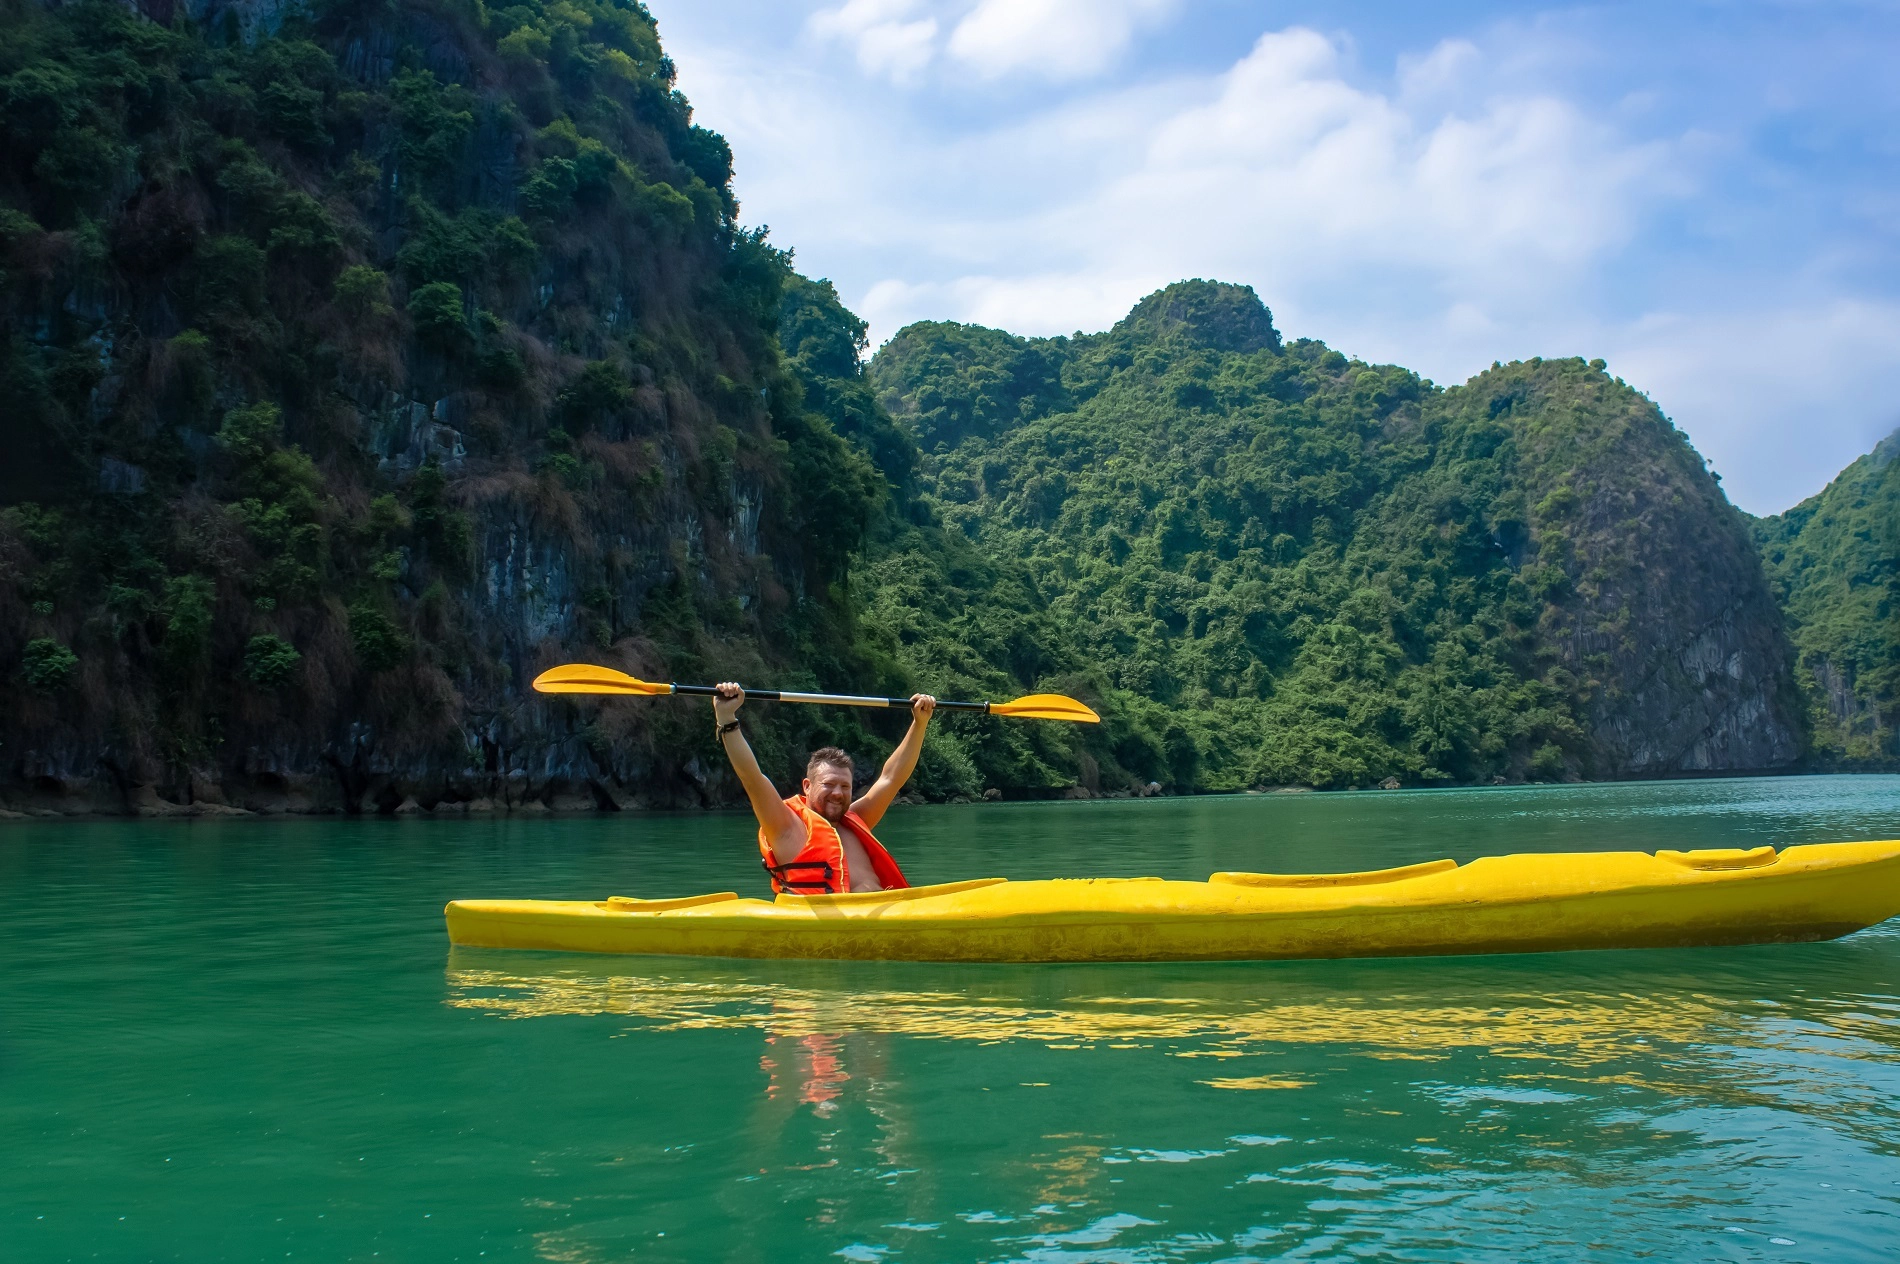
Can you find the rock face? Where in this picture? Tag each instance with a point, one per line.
(1656, 599)
(360, 363)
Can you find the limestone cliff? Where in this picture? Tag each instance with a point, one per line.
(362, 360)
(1655, 599)
(1835, 561)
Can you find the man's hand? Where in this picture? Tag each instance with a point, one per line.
(731, 698)
(921, 707)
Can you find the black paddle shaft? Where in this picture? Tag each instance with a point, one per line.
(840, 699)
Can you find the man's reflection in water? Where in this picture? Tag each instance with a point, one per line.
(821, 1088)
(829, 1100)
(817, 1066)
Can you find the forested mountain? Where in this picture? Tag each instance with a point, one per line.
(1291, 567)
(1834, 560)
(362, 359)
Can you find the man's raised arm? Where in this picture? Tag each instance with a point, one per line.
(785, 830)
(872, 804)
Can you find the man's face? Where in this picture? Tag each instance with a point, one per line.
(828, 791)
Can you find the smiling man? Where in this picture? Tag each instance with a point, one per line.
(820, 841)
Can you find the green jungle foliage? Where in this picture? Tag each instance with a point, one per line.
(1271, 564)
(355, 362)
(1834, 560)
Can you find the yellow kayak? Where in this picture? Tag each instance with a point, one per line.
(1528, 903)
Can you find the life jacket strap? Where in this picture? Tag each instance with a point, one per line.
(781, 874)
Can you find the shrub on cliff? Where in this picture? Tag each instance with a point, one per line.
(47, 665)
(269, 660)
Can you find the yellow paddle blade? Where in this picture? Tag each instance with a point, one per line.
(587, 678)
(1046, 706)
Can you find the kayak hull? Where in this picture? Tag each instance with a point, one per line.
(1498, 904)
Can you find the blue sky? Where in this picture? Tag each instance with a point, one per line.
(1704, 194)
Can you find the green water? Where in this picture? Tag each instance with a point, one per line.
(251, 1041)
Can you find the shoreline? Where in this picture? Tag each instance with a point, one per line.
(149, 806)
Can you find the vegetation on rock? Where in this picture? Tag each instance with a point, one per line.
(360, 358)
(1286, 566)
(1834, 560)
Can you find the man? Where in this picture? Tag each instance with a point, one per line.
(820, 841)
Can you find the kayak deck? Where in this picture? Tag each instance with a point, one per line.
(1497, 904)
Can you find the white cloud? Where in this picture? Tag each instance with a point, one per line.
(1459, 211)
(1343, 208)
(1779, 401)
(1290, 156)
(1443, 74)
(1052, 39)
(1046, 304)
(1056, 40)
(1279, 172)
(887, 40)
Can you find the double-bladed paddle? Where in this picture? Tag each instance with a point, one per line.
(587, 678)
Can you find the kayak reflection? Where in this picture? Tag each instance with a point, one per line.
(1476, 1099)
(1576, 1009)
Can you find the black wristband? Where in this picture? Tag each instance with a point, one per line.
(725, 728)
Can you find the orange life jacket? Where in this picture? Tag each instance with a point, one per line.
(820, 868)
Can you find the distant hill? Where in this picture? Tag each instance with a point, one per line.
(1288, 566)
(1834, 561)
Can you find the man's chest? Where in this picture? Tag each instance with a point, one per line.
(857, 861)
